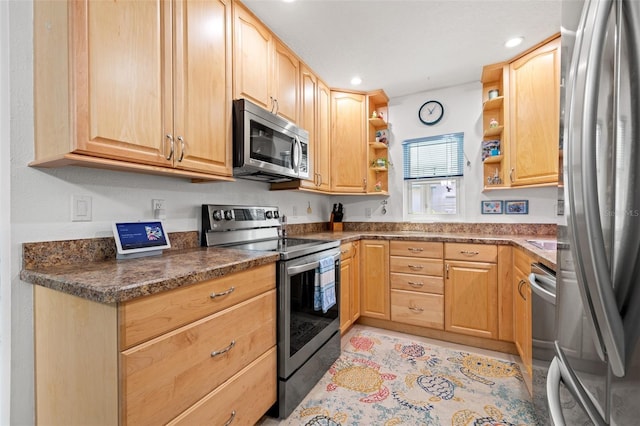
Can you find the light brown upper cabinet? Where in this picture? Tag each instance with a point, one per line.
(139, 86)
(265, 71)
(348, 142)
(535, 114)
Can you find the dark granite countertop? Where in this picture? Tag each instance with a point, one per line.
(113, 281)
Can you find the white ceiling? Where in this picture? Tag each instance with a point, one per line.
(406, 46)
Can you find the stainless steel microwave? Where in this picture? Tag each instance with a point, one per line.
(266, 147)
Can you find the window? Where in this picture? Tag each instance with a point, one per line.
(433, 167)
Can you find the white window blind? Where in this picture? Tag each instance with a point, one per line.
(434, 156)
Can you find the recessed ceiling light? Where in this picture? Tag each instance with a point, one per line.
(513, 42)
(356, 80)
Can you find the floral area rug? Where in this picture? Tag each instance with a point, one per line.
(381, 380)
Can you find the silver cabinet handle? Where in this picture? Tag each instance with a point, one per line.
(225, 350)
(414, 284)
(415, 267)
(447, 271)
(233, 416)
(587, 241)
(170, 137)
(416, 309)
(320, 176)
(181, 140)
(224, 293)
(469, 253)
(364, 183)
(415, 249)
(511, 174)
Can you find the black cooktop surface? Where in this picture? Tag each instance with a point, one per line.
(289, 247)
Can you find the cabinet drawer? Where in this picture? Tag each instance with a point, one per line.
(421, 309)
(419, 283)
(416, 249)
(147, 317)
(416, 265)
(165, 376)
(521, 261)
(258, 379)
(471, 252)
(347, 251)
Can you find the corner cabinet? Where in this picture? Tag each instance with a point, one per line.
(185, 356)
(348, 146)
(134, 86)
(523, 119)
(535, 116)
(265, 70)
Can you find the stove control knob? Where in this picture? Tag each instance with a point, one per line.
(217, 215)
(228, 214)
(276, 214)
(269, 214)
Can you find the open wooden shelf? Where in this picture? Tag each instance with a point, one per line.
(493, 159)
(494, 131)
(494, 103)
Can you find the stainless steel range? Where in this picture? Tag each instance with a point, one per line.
(308, 324)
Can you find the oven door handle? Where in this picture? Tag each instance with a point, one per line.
(294, 270)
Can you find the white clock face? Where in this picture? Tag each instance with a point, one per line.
(431, 112)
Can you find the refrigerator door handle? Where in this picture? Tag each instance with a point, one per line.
(587, 241)
(554, 377)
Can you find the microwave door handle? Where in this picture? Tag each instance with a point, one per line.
(297, 153)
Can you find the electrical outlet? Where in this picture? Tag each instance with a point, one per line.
(158, 208)
(294, 211)
(367, 212)
(80, 208)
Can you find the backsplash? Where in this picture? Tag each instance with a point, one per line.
(69, 252)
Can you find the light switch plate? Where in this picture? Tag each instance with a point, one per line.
(80, 208)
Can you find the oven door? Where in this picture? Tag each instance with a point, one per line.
(302, 329)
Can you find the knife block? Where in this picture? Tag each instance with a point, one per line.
(335, 226)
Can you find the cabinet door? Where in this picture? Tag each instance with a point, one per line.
(471, 298)
(355, 280)
(522, 314)
(323, 149)
(202, 104)
(122, 79)
(309, 119)
(252, 56)
(286, 77)
(346, 283)
(348, 145)
(374, 279)
(534, 116)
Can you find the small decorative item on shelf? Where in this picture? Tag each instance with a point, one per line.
(493, 93)
(495, 179)
(381, 163)
(378, 186)
(490, 148)
(382, 136)
(374, 114)
(493, 123)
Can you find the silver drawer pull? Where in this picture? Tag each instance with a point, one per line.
(469, 253)
(416, 309)
(233, 416)
(414, 284)
(415, 266)
(225, 350)
(224, 293)
(415, 249)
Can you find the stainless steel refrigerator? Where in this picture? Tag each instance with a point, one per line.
(594, 377)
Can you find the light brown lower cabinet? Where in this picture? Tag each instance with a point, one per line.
(522, 308)
(374, 279)
(349, 285)
(188, 355)
(471, 289)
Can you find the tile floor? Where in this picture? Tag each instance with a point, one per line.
(269, 421)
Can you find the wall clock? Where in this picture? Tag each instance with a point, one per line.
(431, 113)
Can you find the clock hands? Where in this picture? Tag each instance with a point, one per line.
(431, 110)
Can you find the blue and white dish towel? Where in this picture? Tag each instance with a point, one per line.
(324, 296)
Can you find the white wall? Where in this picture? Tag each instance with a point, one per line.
(5, 229)
(41, 198)
(463, 113)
